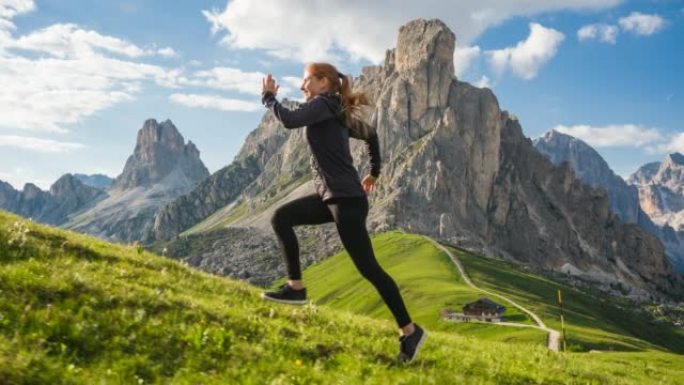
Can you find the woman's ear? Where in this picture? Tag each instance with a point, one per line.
(326, 83)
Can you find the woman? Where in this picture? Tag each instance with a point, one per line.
(328, 119)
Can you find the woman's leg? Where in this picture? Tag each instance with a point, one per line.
(308, 210)
(350, 218)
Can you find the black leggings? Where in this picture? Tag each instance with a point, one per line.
(349, 214)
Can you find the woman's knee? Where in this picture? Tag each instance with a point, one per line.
(279, 219)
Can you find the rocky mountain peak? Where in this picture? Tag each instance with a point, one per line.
(644, 174)
(31, 190)
(160, 149)
(155, 135)
(675, 159)
(422, 42)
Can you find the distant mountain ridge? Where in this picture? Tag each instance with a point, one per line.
(661, 190)
(66, 196)
(624, 198)
(96, 180)
(161, 168)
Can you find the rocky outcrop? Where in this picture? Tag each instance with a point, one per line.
(661, 197)
(210, 195)
(161, 168)
(459, 169)
(592, 169)
(160, 150)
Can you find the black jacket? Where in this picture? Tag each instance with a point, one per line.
(328, 139)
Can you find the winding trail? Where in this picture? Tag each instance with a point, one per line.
(553, 340)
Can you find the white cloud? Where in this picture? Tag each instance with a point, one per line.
(70, 41)
(293, 93)
(38, 144)
(642, 24)
(45, 94)
(615, 135)
(214, 102)
(463, 57)
(361, 29)
(527, 57)
(74, 81)
(603, 32)
(674, 144)
(167, 52)
(11, 8)
(227, 78)
(483, 82)
(233, 79)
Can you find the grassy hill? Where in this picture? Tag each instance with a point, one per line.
(77, 310)
(429, 282)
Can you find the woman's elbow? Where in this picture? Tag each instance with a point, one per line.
(291, 124)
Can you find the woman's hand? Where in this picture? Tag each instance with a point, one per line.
(269, 84)
(368, 183)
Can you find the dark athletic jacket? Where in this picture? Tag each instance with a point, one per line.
(328, 139)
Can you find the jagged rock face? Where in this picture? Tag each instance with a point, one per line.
(661, 191)
(160, 149)
(471, 177)
(34, 203)
(644, 174)
(71, 196)
(8, 197)
(593, 170)
(210, 195)
(98, 181)
(66, 196)
(161, 168)
(457, 168)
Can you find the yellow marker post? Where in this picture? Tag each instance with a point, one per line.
(560, 303)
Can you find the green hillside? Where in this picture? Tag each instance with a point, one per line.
(77, 310)
(429, 282)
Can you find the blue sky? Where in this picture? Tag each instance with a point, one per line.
(78, 80)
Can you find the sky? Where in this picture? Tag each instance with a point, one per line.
(78, 78)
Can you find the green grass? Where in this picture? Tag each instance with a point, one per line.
(429, 282)
(78, 310)
(592, 322)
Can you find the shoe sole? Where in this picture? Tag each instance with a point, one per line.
(418, 345)
(286, 301)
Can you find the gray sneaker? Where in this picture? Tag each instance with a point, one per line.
(409, 345)
(286, 294)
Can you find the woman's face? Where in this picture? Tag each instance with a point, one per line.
(312, 86)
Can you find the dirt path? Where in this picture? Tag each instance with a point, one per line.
(553, 340)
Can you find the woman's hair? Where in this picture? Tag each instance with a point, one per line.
(352, 102)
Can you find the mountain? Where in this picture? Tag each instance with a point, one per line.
(592, 169)
(96, 180)
(161, 157)
(66, 196)
(661, 190)
(458, 168)
(161, 168)
(78, 310)
(624, 198)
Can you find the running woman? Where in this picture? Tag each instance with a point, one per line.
(328, 119)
